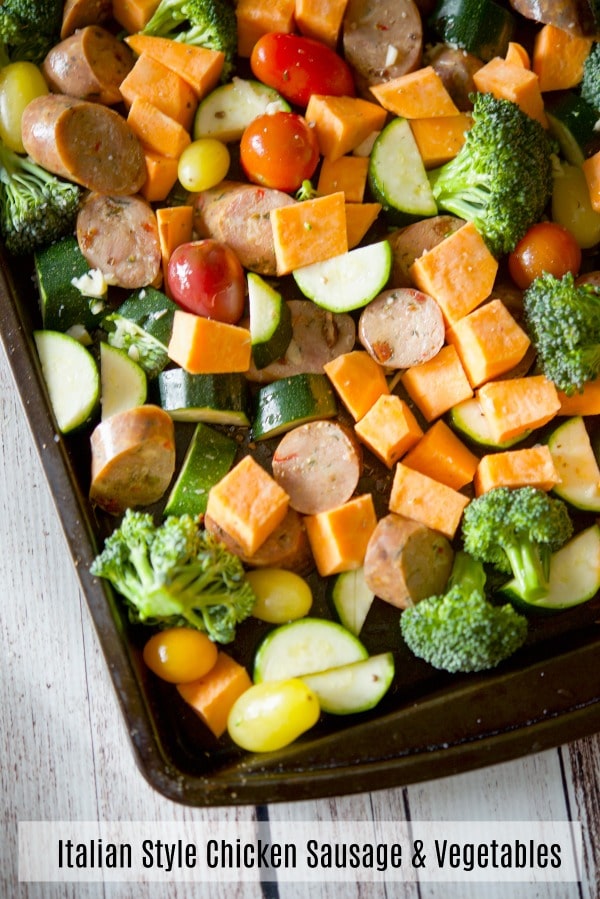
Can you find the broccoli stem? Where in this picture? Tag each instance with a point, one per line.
(530, 567)
(467, 573)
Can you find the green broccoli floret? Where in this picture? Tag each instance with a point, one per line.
(590, 82)
(176, 574)
(501, 179)
(203, 23)
(36, 207)
(563, 322)
(460, 630)
(143, 348)
(29, 28)
(516, 530)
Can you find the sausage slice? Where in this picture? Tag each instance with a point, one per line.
(89, 64)
(406, 561)
(133, 458)
(318, 464)
(286, 547)
(119, 236)
(402, 327)
(84, 142)
(79, 13)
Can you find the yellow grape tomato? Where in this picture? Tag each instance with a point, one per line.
(281, 595)
(180, 654)
(271, 715)
(20, 83)
(203, 163)
(572, 207)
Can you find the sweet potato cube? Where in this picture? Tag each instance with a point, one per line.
(348, 174)
(437, 385)
(155, 82)
(199, 66)
(459, 272)
(342, 123)
(439, 138)
(359, 218)
(157, 130)
(204, 346)
(248, 504)
(255, 18)
(532, 467)
(358, 380)
(516, 405)
(309, 232)
(584, 402)
(339, 537)
(512, 81)
(213, 695)
(161, 175)
(488, 341)
(591, 170)
(415, 95)
(426, 500)
(389, 428)
(321, 19)
(558, 58)
(442, 455)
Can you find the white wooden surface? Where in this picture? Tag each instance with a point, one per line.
(64, 752)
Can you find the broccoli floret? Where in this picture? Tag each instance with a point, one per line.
(501, 179)
(203, 23)
(516, 530)
(590, 83)
(29, 28)
(36, 207)
(563, 321)
(176, 574)
(460, 630)
(143, 348)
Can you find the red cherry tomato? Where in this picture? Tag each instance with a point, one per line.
(279, 150)
(299, 66)
(205, 277)
(546, 247)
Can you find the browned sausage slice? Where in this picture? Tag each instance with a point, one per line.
(84, 142)
(79, 13)
(119, 236)
(318, 337)
(133, 458)
(318, 464)
(382, 39)
(412, 241)
(456, 68)
(238, 214)
(89, 64)
(402, 327)
(406, 561)
(577, 16)
(286, 547)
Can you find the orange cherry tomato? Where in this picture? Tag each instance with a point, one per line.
(546, 247)
(279, 150)
(180, 654)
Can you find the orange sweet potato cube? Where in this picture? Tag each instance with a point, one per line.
(488, 341)
(437, 385)
(255, 18)
(516, 405)
(389, 428)
(439, 138)
(348, 174)
(213, 695)
(248, 504)
(359, 218)
(459, 272)
(442, 455)
(591, 170)
(533, 467)
(339, 537)
(426, 500)
(309, 232)
(206, 346)
(415, 95)
(358, 380)
(512, 81)
(342, 123)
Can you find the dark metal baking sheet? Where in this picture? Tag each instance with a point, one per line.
(430, 725)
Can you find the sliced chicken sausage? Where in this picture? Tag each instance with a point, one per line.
(286, 547)
(577, 16)
(456, 68)
(318, 337)
(79, 13)
(412, 241)
(238, 214)
(402, 327)
(84, 142)
(406, 561)
(318, 464)
(133, 458)
(382, 39)
(119, 236)
(90, 64)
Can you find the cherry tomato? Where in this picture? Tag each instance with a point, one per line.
(299, 66)
(279, 150)
(206, 277)
(180, 654)
(546, 247)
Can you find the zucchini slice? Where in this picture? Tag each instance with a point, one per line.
(571, 121)
(72, 378)
(352, 688)
(576, 464)
(290, 402)
(397, 175)
(348, 281)
(352, 599)
(208, 458)
(304, 647)
(270, 321)
(62, 304)
(574, 575)
(229, 108)
(123, 382)
(481, 27)
(218, 399)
